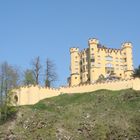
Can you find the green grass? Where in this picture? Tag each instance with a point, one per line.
(99, 115)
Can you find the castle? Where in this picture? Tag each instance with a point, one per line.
(86, 68)
(89, 65)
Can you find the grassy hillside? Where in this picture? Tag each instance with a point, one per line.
(100, 115)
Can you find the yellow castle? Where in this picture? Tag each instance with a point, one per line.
(89, 65)
(86, 68)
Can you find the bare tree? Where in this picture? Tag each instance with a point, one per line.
(36, 69)
(50, 73)
(9, 78)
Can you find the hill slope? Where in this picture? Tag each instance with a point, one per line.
(104, 115)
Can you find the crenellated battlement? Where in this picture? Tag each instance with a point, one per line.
(102, 82)
(93, 41)
(36, 86)
(109, 50)
(127, 44)
(74, 49)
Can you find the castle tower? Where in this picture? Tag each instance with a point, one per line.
(93, 70)
(75, 66)
(127, 50)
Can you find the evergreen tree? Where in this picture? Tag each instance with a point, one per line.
(29, 78)
(137, 72)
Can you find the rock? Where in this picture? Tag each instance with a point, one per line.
(10, 136)
(41, 125)
(80, 130)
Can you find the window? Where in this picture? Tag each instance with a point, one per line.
(109, 69)
(109, 65)
(116, 59)
(84, 69)
(92, 60)
(109, 58)
(92, 55)
(117, 67)
(92, 65)
(99, 65)
(76, 63)
(125, 67)
(121, 60)
(122, 67)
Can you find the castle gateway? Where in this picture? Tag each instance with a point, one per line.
(97, 61)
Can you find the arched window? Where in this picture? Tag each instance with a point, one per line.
(16, 98)
(109, 69)
(109, 65)
(109, 58)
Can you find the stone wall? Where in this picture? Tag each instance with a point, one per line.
(33, 94)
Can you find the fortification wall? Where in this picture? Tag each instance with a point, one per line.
(110, 85)
(33, 94)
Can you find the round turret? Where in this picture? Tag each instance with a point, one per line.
(74, 50)
(93, 41)
(127, 45)
(75, 66)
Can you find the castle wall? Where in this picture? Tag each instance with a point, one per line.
(33, 94)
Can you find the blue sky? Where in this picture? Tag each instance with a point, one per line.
(48, 28)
